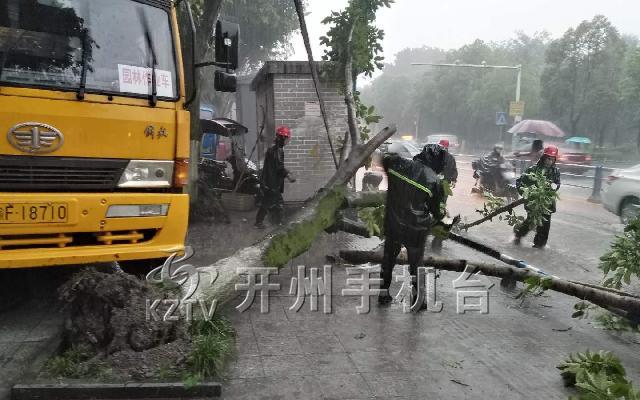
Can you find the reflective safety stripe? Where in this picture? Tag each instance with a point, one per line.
(409, 181)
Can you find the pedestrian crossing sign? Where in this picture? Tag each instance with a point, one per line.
(501, 118)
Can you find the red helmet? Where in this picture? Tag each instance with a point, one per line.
(444, 143)
(283, 131)
(551, 151)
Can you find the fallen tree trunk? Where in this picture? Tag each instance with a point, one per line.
(625, 305)
(494, 214)
(293, 239)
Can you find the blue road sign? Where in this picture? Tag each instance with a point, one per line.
(501, 118)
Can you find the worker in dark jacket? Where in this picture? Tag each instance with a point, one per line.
(413, 207)
(272, 179)
(450, 171)
(546, 163)
(450, 174)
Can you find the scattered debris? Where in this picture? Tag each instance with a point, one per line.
(453, 364)
(458, 382)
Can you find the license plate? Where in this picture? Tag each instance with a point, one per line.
(33, 213)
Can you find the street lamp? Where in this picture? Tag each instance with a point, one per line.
(485, 65)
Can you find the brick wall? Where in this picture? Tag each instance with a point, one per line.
(308, 155)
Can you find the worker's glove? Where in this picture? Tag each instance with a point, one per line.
(291, 178)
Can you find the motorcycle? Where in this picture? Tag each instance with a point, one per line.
(495, 177)
(218, 176)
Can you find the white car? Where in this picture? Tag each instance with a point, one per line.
(621, 193)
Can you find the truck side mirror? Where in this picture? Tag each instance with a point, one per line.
(226, 43)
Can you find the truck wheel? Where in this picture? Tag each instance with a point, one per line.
(629, 209)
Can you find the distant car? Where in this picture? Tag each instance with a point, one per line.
(454, 143)
(621, 193)
(579, 157)
(403, 148)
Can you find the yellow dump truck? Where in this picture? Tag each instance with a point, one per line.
(94, 137)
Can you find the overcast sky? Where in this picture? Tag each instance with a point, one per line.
(453, 23)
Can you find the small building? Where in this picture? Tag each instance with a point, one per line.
(285, 95)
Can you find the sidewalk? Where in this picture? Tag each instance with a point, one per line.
(511, 353)
(26, 334)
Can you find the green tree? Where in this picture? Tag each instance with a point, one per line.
(457, 100)
(631, 89)
(353, 47)
(266, 27)
(580, 81)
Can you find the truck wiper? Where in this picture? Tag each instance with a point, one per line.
(85, 62)
(153, 99)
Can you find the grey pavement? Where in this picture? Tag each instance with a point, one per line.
(27, 333)
(510, 353)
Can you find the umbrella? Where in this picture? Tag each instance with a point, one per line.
(578, 139)
(223, 126)
(545, 128)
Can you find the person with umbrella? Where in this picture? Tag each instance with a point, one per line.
(546, 165)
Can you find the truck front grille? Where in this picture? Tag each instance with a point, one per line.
(58, 174)
(75, 239)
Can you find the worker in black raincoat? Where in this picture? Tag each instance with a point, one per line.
(413, 207)
(546, 163)
(272, 179)
(450, 174)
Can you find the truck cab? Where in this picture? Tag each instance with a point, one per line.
(95, 139)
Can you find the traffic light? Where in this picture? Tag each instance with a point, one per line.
(226, 43)
(224, 82)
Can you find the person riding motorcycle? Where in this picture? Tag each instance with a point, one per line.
(490, 172)
(272, 179)
(413, 207)
(546, 163)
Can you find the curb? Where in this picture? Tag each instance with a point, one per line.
(114, 391)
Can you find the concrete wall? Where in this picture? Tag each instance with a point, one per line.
(285, 91)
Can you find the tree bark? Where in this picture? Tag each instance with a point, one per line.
(372, 198)
(348, 90)
(625, 305)
(343, 149)
(314, 75)
(253, 256)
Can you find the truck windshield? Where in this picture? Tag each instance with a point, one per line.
(48, 43)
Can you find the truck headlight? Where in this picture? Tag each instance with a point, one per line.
(137, 210)
(147, 174)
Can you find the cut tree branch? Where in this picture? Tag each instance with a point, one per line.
(625, 305)
(494, 214)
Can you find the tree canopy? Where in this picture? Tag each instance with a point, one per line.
(587, 81)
